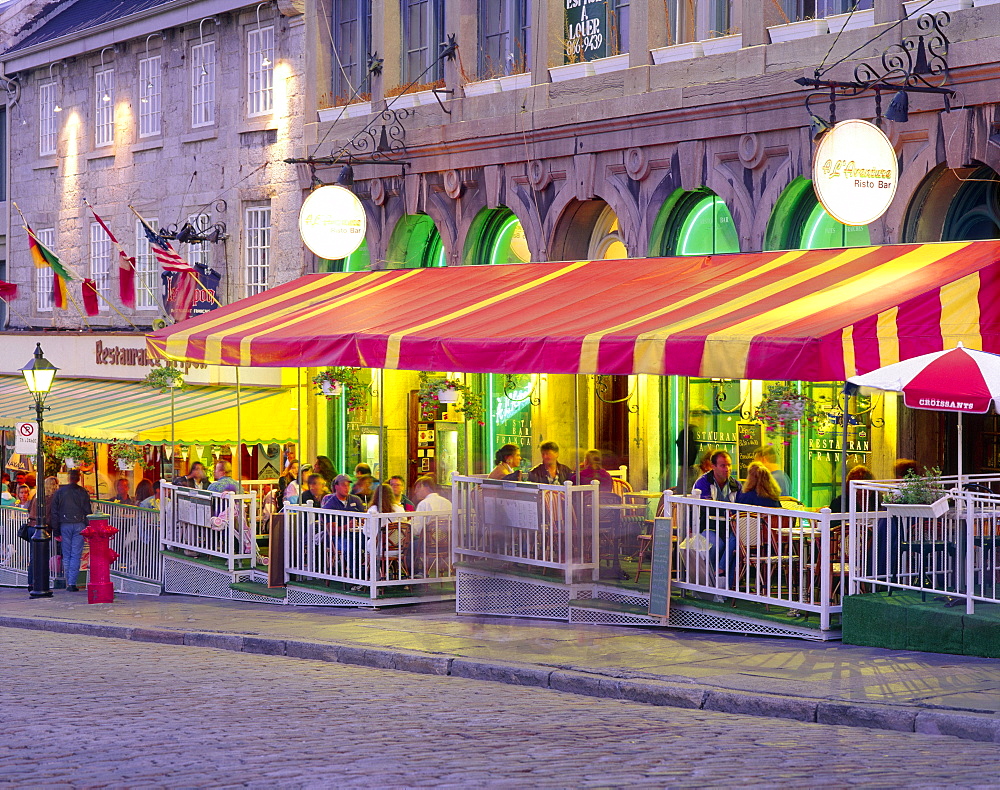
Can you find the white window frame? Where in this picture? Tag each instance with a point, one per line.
(100, 262)
(44, 292)
(257, 248)
(260, 77)
(104, 111)
(200, 252)
(48, 126)
(147, 280)
(149, 96)
(203, 84)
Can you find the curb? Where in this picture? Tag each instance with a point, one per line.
(968, 726)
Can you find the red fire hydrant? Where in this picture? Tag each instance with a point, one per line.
(98, 533)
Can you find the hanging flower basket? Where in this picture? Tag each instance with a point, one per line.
(447, 396)
(70, 463)
(124, 466)
(164, 379)
(125, 455)
(342, 381)
(437, 390)
(782, 409)
(73, 454)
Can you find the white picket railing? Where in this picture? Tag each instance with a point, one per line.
(795, 559)
(137, 541)
(13, 550)
(954, 555)
(546, 526)
(210, 523)
(371, 551)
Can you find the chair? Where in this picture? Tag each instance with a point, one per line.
(646, 539)
(621, 473)
(759, 548)
(392, 541)
(436, 549)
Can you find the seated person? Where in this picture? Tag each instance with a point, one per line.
(550, 471)
(508, 460)
(398, 486)
(342, 498)
(767, 457)
(859, 472)
(315, 490)
(592, 469)
(223, 478)
(759, 490)
(364, 488)
(121, 492)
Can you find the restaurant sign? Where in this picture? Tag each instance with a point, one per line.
(855, 172)
(332, 222)
(587, 32)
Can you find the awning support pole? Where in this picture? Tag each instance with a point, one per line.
(685, 452)
(845, 419)
(239, 430)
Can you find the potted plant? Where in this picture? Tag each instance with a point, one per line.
(337, 381)
(126, 455)
(164, 379)
(782, 408)
(918, 496)
(73, 453)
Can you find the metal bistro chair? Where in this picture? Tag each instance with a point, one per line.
(759, 548)
(646, 540)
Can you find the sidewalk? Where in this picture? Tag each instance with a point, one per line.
(827, 682)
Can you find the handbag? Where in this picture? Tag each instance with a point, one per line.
(24, 531)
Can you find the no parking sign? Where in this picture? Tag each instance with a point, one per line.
(26, 438)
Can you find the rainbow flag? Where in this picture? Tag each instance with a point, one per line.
(42, 257)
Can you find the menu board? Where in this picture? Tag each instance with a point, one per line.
(659, 581)
(749, 439)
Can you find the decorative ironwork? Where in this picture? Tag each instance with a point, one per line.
(378, 142)
(510, 387)
(602, 387)
(912, 66)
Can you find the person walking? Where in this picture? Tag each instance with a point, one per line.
(70, 507)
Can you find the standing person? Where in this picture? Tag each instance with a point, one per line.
(121, 492)
(550, 470)
(70, 507)
(592, 469)
(316, 490)
(508, 459)
(324, 467)
(718, 484)
(223, 478)
(398, 486)
(342, 498)
(51, 485)
(767, 456)
(198, 476)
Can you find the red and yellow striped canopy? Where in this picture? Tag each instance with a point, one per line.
(810, 315)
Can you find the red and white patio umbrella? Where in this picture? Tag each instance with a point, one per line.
(960, 379)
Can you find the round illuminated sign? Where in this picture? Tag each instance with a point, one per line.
(855, 172)
(332, 222)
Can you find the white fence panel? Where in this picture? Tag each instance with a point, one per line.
(13, 550)
(210, 523)
(372, 551)
(137, 541)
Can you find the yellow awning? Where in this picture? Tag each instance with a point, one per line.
(106, 410)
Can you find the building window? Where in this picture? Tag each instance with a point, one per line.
(260, 71)
(798, 10)
(146, 279)
(47, 126)
(352, 41)
(618, 18)
(198, 253)
(44, 275)
(149, 96)
(100, 260)
(258, 248)
(104, 107)
(423, 34)
(504, 37)
(203, 84)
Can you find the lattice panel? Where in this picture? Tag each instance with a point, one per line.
(479, 594)
(298, 596)
(191, 579)
(243, 595)
(623, 597)
(709, 621)
(135, 587)
(604, 617)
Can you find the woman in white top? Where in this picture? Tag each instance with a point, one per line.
(384, 501)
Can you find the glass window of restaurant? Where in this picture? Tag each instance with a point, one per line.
(799, 222)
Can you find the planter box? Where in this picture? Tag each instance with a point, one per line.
(571, 71)
(515, 82)
(614, 63)
(793, 31)
(448, 396)
(482, 88)
(936, 5)
(676, 52)
(856, 21)
(722, 44)
(328, 114)
(933, 510)
(412, 99)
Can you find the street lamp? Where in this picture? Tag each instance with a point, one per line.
(38, 375)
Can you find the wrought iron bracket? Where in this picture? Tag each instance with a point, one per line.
(601, 387)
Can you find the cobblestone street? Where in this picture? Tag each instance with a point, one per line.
(92, 712)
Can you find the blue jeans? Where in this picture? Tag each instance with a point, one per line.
(72, 549)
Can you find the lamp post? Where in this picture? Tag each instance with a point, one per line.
(38, 375)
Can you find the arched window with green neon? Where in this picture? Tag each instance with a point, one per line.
(415, 244)
(696, 222)
(496, 236)
(974, 212)
(357, 261)
(799, 222)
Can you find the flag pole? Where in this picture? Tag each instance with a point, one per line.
(121, 250)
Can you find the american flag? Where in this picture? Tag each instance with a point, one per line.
(165, 255)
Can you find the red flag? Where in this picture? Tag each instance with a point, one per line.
(126, 265)
(90, 297)
(183, 296)
(8, 291)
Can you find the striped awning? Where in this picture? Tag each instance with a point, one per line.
(811, 315)
(107, 410)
